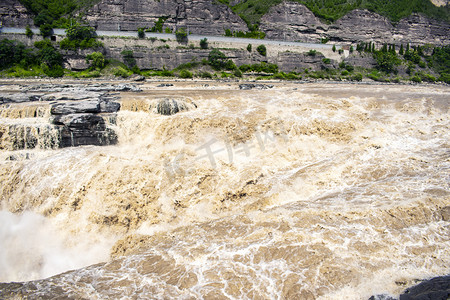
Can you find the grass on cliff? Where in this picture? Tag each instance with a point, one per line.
(329, 11)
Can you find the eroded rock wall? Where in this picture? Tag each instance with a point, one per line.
(12, 13)
(199, 16)
(294, 22)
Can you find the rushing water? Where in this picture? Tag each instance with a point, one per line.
(313, 191)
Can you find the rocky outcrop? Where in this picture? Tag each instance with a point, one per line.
(84, 129)
(169, 107)
(199, 17)
(18, 98)
(83, 123)
(251, 86)
(79, 116)
(437, 288)
(294, 22)
(361, 25)
(291, 61)
(13, 13)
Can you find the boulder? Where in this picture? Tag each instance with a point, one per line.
(71, 94)
(83, 129)
(437, 288)
(75, 107)
(107, 106)
(257, 86)
(169, 107)
(18, 98)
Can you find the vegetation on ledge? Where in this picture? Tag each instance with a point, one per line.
(407, 64)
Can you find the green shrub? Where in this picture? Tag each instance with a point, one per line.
(185, 74)
(349, 68)
(216, 59)
(205, 75)
(46, 30)
(78, 36)
(357, 77)
(326, 60)
(334, 48)
(28, 32)
(141, 33)
(416, 78)
(312, 52)
(204, 43)
(121, 72)
(42, 44)
(128, 58)
(292, 76)
(427, 77)
(29, 71)
(158, 25)
(262, 50)
(249, 47)
(444, 77)
(344, 73)
(51, 57)
(237, 72)
(77, 32)
(386, 61)
(135, 69)
(261, 67)
(181, 35)
(96, 59)
(229, 65)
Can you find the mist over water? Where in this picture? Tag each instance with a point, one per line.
(298, 192)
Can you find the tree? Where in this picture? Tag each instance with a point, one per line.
(28, 32)
(386, 61)
(77, 32)
(334, 48)
(216, 59)
(401, 50)
(181, 35)
(249, 47)
(262, 50)
(351, 49)
(46, 30)
(204, 43)
(141, 33)
(128, 58)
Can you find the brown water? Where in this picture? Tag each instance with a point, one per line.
(313, 191)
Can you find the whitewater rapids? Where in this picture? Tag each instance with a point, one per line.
(302, 191)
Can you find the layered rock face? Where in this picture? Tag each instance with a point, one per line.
(199, 16)
(294, 22)
(12, 13)
(56, 116)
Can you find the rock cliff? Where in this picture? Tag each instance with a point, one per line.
(12, 13)
(294, 22)
(200, 16)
